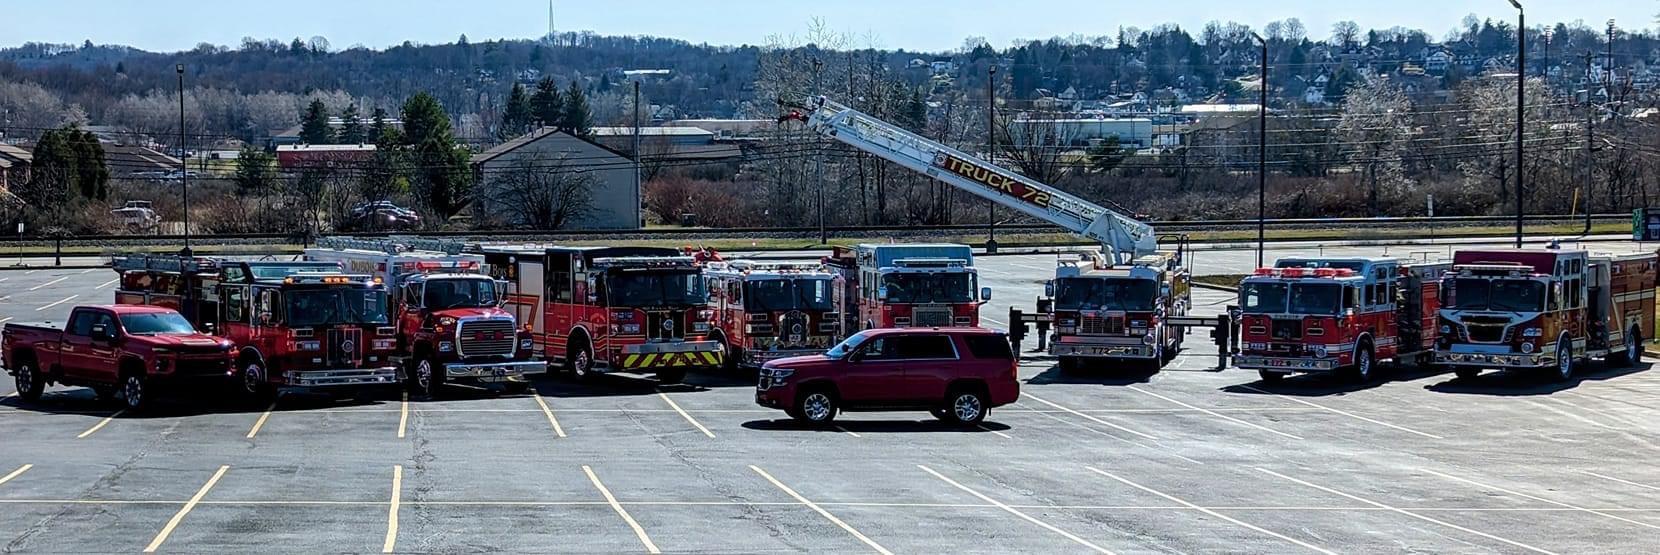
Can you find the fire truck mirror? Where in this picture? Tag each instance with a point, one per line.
(1049, 288)
(882, 292)
(501, 292)
(265, 318)
(985, 293)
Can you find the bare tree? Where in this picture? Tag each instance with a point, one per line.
(1373, 129)
(543, 194)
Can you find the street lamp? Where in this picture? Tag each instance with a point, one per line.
(818, 162)
(1262, 150)
(991, 154)
(1521, 107)
(184, 167)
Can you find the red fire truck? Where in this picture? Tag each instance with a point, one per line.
(611, 309)
(897, 286)
(295, 324)
(448, 315)
(1337, 315)
(1545, 310)
(1103, 312)
(765, 311)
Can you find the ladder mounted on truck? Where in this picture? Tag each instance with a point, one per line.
(1120, 235)
(395, 244)
(161, 263)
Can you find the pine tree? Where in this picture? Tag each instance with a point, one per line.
(547, 107)
(377, 124)
(256, 171)
(351, 127)
(578, 119)
(516, 119)
(443, 180)
(314, 127)
(92, 177)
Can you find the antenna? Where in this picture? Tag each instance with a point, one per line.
(550, 18)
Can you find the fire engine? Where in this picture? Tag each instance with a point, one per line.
(1103, 312)
(611, 309)
(448, 315)
(765, 311)
(1320, 315)
(896, 286)
(1545, 310)
(295, 324)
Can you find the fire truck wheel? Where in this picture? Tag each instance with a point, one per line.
(1633, 352)
(1466, 373)
(580, 363)
(424, 378)
(1564, 360)
(1271, 377)
(671, 377)
(816, 406)
(29, 381)
(1361, 372)
(254, 384)
(729, 355)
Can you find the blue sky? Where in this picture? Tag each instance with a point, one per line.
(910, 24)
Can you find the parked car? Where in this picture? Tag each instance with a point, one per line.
(956, 374)
(120, 350)
(382, 215)
(137, 216)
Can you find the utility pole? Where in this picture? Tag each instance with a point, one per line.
(639, 201)
(991, 154)
(818, 161)
(1521, 109)
(1590, 137)
(184, 167)
(1262, 152)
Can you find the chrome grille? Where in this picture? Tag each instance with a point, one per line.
(1288, 329)
(1100, 325)
(792, 328)
(492, 337)
(1486, 329)
(345, 347)
(666, 324)
(203, 365)
(931, 316)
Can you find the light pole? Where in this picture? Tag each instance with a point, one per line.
(184, 167)
(1521, 108)
(818, 162)
(1262, 151)
(991, 154)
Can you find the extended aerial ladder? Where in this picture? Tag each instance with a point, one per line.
(1120, 236)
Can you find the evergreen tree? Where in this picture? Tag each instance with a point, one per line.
(516, 119)
(578, 119)
(314, 126)
(92, 177)
(441, 176)
(351, 127)
(547, 107)
(256, 171)
(377, 125)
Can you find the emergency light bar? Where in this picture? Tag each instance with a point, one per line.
(779, 267)
(330, 279)
(1299, 272)
(424, 266)
(1494, 269)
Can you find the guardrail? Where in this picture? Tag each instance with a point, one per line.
(1163, 226)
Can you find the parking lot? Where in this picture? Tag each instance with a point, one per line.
(1107, 461)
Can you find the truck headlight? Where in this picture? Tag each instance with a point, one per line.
(445, 346)
(525, 344)
(1532, 332)
(1320, 351)
(1527, 347)
(1148, 339)
(781, 374)
(1446, 328)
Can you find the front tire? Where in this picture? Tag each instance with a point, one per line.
(966, 407)
(580, 363)
(1466, 372)
(1271, 377)
(135, 391)
(425, 377)
(817, 407)
(1564, 361)
(30, 384)
(1364, 366)
(254, 383)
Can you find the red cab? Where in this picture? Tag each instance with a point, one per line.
(957, 374)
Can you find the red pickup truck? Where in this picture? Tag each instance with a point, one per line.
(122, 350)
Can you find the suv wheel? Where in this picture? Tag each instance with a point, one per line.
(135, 391)
(29, 382)
(816, 406)
(966, 407)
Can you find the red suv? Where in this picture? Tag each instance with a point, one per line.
(957, 374)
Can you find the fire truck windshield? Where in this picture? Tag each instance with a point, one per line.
(1316, 298)
(1507, 295)
(766, 295)
(1274, 297)
(336, 305)
(1129, 294)
(655, 289)
(459, 293)
(156, 323)
(1263, 297)
(924, 288)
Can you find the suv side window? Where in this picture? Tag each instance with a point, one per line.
(882, 348)
(989, 346)
(80, 324)
(920, 347)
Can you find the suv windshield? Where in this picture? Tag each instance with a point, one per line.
(654, 289)
(768, 295)
(157, 323)
(924, 288)
(1316, 298)
(849, 345)
(1105, 294)
(1508, 295)
(459, 293)
(314, 307)
(1263, 297)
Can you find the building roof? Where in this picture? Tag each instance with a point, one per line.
(1218, 108)
(16, 154)
(325, 148)
(628, 131)
(136, 159)
(532, 137)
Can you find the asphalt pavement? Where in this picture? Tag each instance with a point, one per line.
(1186, 460)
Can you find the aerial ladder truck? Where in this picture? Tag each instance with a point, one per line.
(1128, 302)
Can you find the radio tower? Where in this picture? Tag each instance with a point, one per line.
(550, 20)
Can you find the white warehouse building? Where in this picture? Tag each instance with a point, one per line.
(1131, 132)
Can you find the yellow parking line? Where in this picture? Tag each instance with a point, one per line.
(683, 413)
(100, 424)
(261, 422)
(612, 500)
(188, 505)
(557, 430)
(20, 470)
(820, 510)
(392, 510)
(403, 415)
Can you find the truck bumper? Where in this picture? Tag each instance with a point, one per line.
(1495, 360)
(495, 370)
(655, 356)
(1101, 350)
(1292, 364)
(385, 375)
